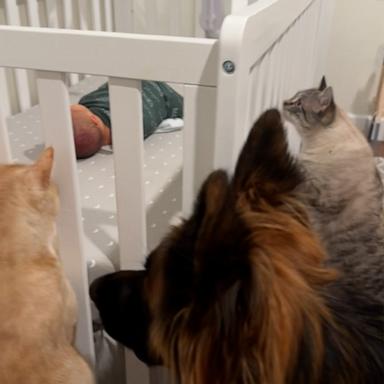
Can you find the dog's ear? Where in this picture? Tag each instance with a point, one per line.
(264, 169)
(265, 166)
(212, 195)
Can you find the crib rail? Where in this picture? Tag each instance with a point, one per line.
(67, 51)
(271, 49)
(18, 86)
(57, 52)
(168, 17)
(165, 17)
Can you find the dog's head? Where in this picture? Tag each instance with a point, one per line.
(226, 295)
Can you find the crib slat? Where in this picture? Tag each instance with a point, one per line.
(301, 58)
(270, 77)
(290, 63)
(108, 15)
(73, 78)
(250, 99)
(308, 27)
(231, 122)
(5, 150)
(52, 13)
(174, 15)
(22, 89)
(57, 128)
(324, 28)
(83, 14)
(283, 68)
(4, 95)
(12, 12)
(293, 86)
(96, 15)
(318, 28)
(68, 14)
(33, 13)
(34, 21)
(23, 96)
(12, 17)
(278, 69)
(151, 19)
(261, 85)
(198, 139)
(127, 133)
(123, 10)
(198, 31)
(307, 48)
(127, 137)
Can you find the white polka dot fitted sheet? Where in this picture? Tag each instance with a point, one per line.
(162, 182)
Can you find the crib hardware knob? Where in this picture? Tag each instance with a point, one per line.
(229, 66)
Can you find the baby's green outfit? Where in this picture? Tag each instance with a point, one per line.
(159, 100)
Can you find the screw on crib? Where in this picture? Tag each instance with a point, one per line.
(229, 66)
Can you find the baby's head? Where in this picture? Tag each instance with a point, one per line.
(89, 132)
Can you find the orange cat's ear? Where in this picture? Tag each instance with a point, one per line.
(44, 165)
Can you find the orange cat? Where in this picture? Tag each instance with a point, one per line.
(37, 304)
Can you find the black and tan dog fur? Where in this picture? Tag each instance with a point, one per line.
(238, 294)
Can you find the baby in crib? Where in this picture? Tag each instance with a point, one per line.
(91, 116)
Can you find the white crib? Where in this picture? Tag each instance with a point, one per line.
(267, 50)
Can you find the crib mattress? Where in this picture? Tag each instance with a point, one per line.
(162, 179)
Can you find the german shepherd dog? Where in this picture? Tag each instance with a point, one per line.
(239, 293)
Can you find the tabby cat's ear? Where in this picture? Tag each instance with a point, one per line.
(323, 84)
(326, 110)
(326, 100)
(265, 165)
(326, 97)
(43, 166)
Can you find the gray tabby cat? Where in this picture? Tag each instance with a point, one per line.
(342, 189)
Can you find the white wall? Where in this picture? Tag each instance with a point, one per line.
(167, 17)
(356, 51)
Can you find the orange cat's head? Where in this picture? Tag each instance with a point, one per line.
(27, 192)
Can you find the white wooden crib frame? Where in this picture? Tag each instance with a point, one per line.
(266, 51)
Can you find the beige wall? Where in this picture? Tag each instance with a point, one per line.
(167, 17)
(356, 51)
